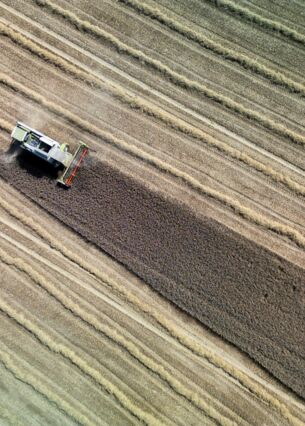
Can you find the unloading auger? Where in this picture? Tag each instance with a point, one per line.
(56, 154)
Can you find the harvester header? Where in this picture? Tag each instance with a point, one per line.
(54, 153)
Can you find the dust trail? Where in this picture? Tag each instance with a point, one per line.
(8, 158)
(258, 390)
(250, 16)
(149, 109)
(173, 76)
(245, 212)
(54, 345)
(10, 155)
(129, 346)
(228, 54)
(12, 364)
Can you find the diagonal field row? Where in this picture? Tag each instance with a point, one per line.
(245, 212)
(99, 49)
(91, 319)
(7, 308)
(229, 54)
(239, 78)
(155, 112)
(248, 38)
(248, 15)
(277, 176)
(149, 111)
(103, 327)
(175, 77)
(79, 359)
(118, 253)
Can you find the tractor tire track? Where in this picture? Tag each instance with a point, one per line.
(163, 321)
(13, 364)
(228, 54)
(173, 76)
(81, 310)
(20, 248)
(249, 16)
(245, 212)
(56, 346)
(150, 110)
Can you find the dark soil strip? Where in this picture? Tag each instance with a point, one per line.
(242, 291)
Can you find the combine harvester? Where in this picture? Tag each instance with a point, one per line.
(56, 154)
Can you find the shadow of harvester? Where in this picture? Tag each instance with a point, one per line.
(36, 166)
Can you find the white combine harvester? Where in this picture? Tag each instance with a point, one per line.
(54, 153)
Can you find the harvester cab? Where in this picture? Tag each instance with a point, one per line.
(56, 154)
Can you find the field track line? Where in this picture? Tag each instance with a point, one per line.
(115, 336)
(173, 76)
(149, 109)
(252, 17)
(227, 53)
(13, 364)
(80, 310)
(15, 313)
(100, 326)
(133, 315)
(245, 212)
(158, 94)
(254, 387)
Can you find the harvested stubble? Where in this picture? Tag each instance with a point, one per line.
(229, 54)
(253, 17)
(136, 103)
(240, 290)
(8, 417)
(240, 209)
(57, 344)
(90, 319)
(201, 350)
(13, 363)
(173, 76)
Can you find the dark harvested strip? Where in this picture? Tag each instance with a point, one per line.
(136, 103)
(239, 289)
(169, 325)
(246, 212)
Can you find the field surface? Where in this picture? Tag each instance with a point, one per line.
(168, 285)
